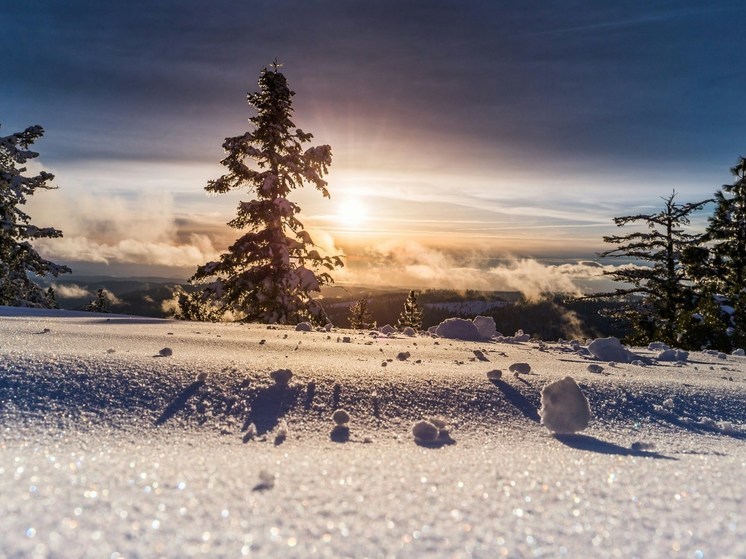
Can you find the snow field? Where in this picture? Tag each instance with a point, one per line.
(108, 448)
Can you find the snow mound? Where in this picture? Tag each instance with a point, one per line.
(458, 329)
(611, 349)
(409, 331)
(486, 326)
(166, 352)
(304, 327)
(403, 356)
(739, 352)
(595, 368)
(658, 346)
(564, 407)
(387, 329)
(673, 355)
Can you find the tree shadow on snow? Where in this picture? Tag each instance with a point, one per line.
(179, 402)
(518, 400)
(269, 405)
(592, 444)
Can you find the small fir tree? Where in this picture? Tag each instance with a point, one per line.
(411, 316)
(659, 291)
(51, 298)
(270, 273)
(99, 304)
(18, 258)
(719, 265)
(360, 317)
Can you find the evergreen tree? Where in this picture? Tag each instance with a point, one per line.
(270, 273)
(360, 317)
(18, 258)
(657, 290)
(191, 306)
(719, 266)
(412, 314)
(99, 304)
(51, 298)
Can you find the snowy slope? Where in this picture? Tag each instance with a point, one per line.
(111, 449)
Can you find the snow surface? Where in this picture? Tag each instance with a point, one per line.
(109, 450)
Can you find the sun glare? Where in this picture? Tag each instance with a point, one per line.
(352, 213)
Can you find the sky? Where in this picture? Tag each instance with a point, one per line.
(475, 143)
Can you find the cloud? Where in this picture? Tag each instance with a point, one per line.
(106, 229)
(412, 264)
(70, 291)
(113, 299)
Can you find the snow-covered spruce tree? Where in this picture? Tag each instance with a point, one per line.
(360, 317)
(719, 265)
(18, 258)
(655, 284)
(412, 314)
(270, 273)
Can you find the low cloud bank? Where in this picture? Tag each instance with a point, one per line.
(413, 264)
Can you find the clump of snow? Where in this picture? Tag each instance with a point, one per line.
(520, 336)
(202, 377)
(673, 355)
(668, 403)
(166, 352)
(739, 352)
(564, 407)
(281, 376)
(458, 329)
(346, 340)
(494, 374)
(658, 346)
(424, 431)
(595, 368)
(432, 432)
(387, 329)
(341, 417)
(409, 331)
(486, 326)
(520, 368)
(281, 432)
(304, 327)
(479, 354)
(266, 481)
(328, 327)
(611, 349)
(403, 356)
(251, 433)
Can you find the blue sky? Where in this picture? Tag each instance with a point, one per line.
(472, 130)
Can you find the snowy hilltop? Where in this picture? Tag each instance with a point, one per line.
(124, 436)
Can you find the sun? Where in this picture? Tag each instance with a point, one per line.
(352, 213)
